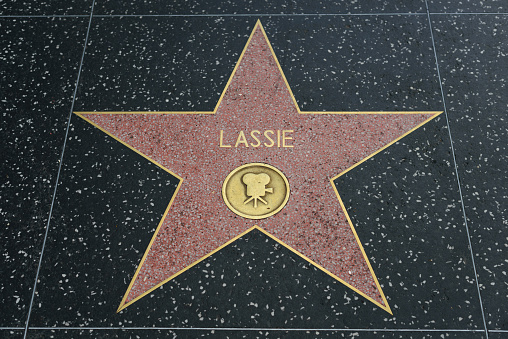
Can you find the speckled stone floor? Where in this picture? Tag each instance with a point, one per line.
(79, 208)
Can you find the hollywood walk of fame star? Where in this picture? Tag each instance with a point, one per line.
(203, 148)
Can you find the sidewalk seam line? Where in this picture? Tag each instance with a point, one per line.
(58, 173)
(457, 173)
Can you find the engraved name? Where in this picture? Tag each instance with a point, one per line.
(256, 138)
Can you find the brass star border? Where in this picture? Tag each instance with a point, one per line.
(258, 24)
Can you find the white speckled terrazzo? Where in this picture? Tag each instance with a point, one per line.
(424, 238)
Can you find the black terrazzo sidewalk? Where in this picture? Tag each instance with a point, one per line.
(431, 210)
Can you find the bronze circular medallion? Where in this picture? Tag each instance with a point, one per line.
(255, 190)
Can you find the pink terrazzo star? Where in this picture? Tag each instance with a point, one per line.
(325, 145)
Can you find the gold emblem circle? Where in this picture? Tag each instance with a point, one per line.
(255, 190)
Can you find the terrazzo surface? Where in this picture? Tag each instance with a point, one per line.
(405, 203)
(247, 334)
(477, 102)
(46, 8)
(261, 7)
(40, 58)
(447, 6)
(498, 335)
